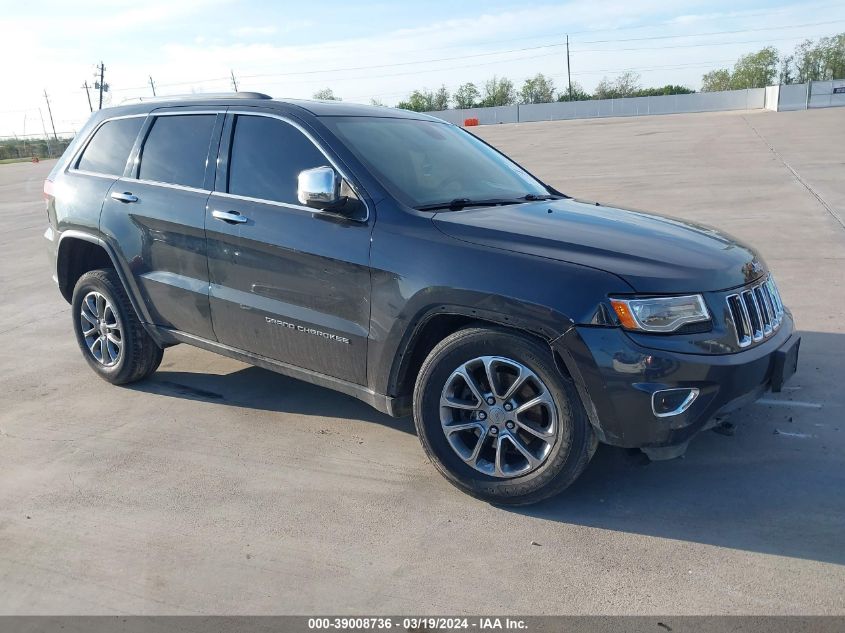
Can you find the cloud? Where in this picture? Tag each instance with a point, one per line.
(245, 32)
(251, 31)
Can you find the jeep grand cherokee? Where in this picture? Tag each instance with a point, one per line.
(399, 259)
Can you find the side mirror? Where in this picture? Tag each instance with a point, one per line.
(319, 188)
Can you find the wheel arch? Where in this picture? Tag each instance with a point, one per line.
(436, 323)
(77, 254)
(80, 252)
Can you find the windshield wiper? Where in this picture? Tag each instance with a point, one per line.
(459, 203)
(533, 197)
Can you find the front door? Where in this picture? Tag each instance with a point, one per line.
(287, 283)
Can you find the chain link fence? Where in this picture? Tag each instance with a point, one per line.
(15, 148)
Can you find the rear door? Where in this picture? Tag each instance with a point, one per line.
(94, 169)
(287, 283)
(155, 216)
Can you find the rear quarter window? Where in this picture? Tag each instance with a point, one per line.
(109, 149)
(176, 149)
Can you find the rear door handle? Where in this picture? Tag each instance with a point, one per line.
(233, 217)
(126, 196)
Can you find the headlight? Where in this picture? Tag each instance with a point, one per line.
(660, 314)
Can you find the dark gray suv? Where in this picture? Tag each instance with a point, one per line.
(399, 259)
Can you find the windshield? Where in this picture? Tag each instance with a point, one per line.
(426, 163)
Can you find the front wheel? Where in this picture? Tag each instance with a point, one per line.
(112, 339)
(498, 419)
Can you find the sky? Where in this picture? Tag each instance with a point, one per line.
(369, 50)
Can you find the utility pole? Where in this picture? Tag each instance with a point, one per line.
(152, 85)
(100, 84)
(234, 81)
(568, 75)
(50, 111)
(25, 146)
(87, 92)
(46, 136)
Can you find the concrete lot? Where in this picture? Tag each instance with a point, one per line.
(220, 488)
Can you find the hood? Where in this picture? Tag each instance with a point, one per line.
(652, 253)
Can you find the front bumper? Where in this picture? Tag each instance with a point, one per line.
(616, 377)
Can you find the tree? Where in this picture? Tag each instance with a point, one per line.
(467, 96)
(625, 85)
(807, 61)
(326, 94)
(825, 59)
(786, 63)
(578, 93)
(440, 99)
(604, 89)
(426, 101)
(376, 102)
(755, 70)
(668, 89)
(716, 80)
(498, 92)
(537, 89)
(834, 56)
(418, 101)
(628, 83)
(811, 61)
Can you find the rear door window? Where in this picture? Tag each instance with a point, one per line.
(267, 156)
(176, 149)
(109, 149)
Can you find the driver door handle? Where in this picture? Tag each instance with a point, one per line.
(124, 197)
(233, 217)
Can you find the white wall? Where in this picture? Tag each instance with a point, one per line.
(792, 97)
(778, 98)
(751, 99)
(772, 98)
(822, 95)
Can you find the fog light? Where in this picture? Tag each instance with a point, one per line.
(668, 402)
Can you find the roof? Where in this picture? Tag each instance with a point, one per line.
(342, 108)
(257, 99)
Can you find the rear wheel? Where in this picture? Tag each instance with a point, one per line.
(112, 339)
(498, 419)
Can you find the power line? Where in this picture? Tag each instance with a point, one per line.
(523, 49)
(436, 70)
(670, 37)
(534, 36)
(660, 48)
(515, 59)
(503, 52)
(551, 47)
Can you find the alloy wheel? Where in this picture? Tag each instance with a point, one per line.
(101, 329)
(498, 416)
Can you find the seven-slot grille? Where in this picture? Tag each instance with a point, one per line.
(757, 312)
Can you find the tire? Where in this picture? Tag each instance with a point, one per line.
(558, 460)
(137, 355)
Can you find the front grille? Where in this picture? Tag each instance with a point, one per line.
(757, 312)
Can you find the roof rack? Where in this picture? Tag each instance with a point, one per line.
(201, 95)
